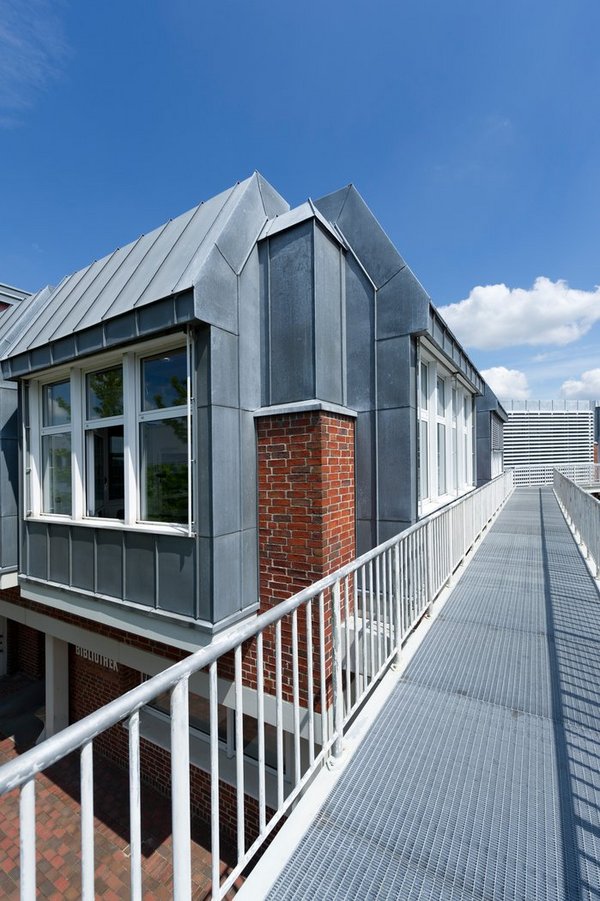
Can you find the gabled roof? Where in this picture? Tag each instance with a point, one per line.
(186, 257)
(10, 295)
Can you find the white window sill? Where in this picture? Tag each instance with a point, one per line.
(116, 525)
(431, 505)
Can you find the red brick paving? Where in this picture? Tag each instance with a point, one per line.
(58, 837)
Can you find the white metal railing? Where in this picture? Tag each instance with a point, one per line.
(538, 474)
(321, 650)
(582, 512)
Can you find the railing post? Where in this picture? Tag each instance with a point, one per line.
(398, 603)
(338, 701)
(428, 567)
(180, 792)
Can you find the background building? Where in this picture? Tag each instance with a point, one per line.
(549, 433)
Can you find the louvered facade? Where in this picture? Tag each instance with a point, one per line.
(548, 432)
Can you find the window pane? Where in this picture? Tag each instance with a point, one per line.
(105, 393)
(423, 461)
(106, 483)
(57, 403)
(441, 458)
(164, 474)
(56, 466)
(164, 380)
(441, 397)
(199, 709)
(424, 386)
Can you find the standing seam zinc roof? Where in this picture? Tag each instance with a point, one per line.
(160, 264)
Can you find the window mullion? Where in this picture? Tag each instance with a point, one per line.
(35, 450)
(130, 433)
(77, 445)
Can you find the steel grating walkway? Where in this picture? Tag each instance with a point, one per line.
(481, 776)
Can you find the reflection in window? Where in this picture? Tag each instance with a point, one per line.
(56, 468)
(57, 404)
(164, 465)
(104, 391)
(199, 711)
(164, 380)
(106, 471)
(441, 458)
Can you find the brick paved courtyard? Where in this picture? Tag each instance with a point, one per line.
(58, 836)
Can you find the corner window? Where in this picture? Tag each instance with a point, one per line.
(114, 441)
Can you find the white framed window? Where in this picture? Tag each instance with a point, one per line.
(445, 425)
(110, 439)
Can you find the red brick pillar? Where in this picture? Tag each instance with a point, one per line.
(306, 506)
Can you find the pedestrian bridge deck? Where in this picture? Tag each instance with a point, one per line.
(480, 778)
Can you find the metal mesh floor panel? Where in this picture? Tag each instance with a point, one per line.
(480, 778)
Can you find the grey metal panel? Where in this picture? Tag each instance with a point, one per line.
(155, 317)
(329, 363)
(367, 238)
(89, 341)
(59, 570)
(82, 558)
(391, 528)
(42, 357)
(204, 471)
(10, 531)
(224, 375)
(202, 350)
(109, 565)
(248, 474)
(360, 337)
(402, 306)
(396, 370)
(249, 594)
(366, 536)
(225, 450)
(64, 349)
(216, 294)
(365, 466)
(37, 534)
(332, 205)
(273, 202)
(176, 574)
(250, 334)
(227, 589)
(9, 476)
(291, 315)
(397, 468)
(243, 227)
(121, 329)
(204, 602)
(140, 568)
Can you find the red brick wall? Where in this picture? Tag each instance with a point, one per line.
(306, 509)
(26, 650)
(306, 520)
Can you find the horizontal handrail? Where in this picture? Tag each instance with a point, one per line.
(582, 512)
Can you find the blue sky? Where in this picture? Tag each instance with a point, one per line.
(472, 129)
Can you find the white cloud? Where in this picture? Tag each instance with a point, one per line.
(33, 50)
(585, 388)
(507, 384)
(550, 312)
